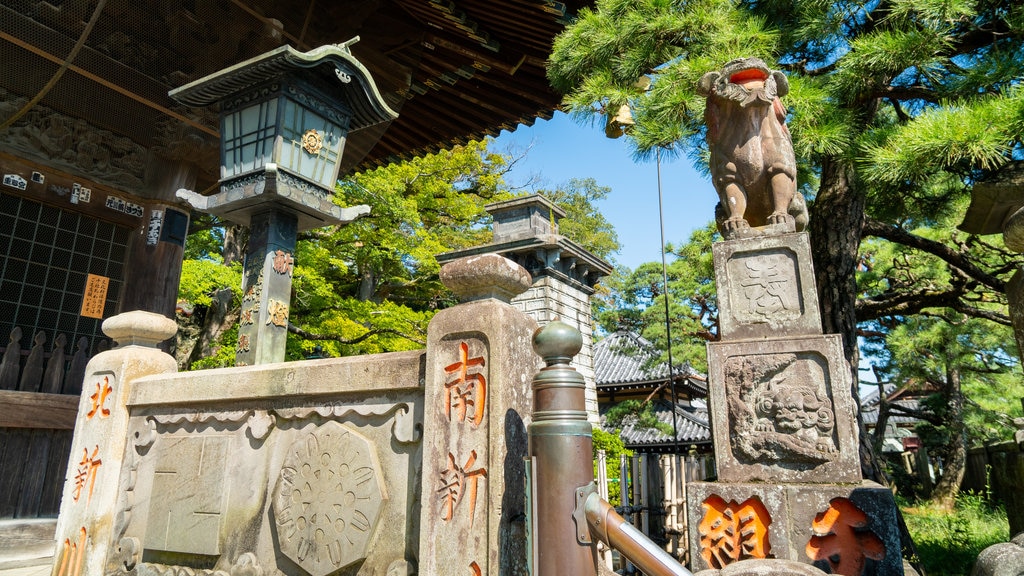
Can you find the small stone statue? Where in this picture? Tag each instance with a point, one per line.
(753, 166)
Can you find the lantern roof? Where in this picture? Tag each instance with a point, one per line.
(333, 65)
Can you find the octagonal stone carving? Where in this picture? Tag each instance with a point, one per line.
(328, 499)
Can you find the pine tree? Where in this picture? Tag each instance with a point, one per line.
(896, 106)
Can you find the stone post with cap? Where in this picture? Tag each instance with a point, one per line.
(93, 484)
(477, 405)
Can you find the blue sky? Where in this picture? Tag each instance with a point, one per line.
(561, 149)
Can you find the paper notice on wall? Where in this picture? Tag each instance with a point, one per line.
(95, 297)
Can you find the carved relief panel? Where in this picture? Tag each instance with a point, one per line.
(323, 486)
(328, 499)
(766, 285)
(782, 411)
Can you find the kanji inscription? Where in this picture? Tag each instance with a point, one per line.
(85, 473)
(465, 388)
(458, 481)
(283, 262)
(765, 287)
(843, 539)
(72, 554)
(98, 400)
(730, 532)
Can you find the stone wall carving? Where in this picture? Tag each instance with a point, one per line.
(328, 499)
(73, 144)
(779, 410)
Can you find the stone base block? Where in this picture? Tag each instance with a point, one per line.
(766, 287)
(781, 411)
(840, 529)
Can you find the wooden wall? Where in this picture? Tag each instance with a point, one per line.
(39, 395)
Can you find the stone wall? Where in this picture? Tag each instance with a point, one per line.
(387, 464)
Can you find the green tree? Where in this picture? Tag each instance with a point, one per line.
(896, 106)
(372, 286)
(635, 300)
(928, 325)
(614, 448)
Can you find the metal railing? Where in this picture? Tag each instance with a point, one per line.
(568, 516)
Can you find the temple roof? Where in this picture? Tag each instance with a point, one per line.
(624, 359)
(455, 70)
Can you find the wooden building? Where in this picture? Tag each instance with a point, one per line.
(625, 368)
(92, 152)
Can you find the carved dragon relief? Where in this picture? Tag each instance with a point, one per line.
(753, 165)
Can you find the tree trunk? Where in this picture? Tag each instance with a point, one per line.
(219, 318)
(835, 230)
(367, 284)
(954, 453)
(235, 239)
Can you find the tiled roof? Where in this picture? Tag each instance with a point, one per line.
(870, 413)
(691, 424)
(623, 357)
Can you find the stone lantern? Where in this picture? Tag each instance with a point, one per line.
(284, 118)
(997, 207)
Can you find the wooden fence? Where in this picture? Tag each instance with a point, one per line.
(654, 496)
(999, 469)
(39, 395)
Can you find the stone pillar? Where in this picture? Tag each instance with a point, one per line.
(266, 288)
(786, 443)
(93, 484)
(478, 403)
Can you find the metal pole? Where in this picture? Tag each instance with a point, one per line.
(668, 323)
(561, 442)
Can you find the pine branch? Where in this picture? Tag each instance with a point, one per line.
(953, 258)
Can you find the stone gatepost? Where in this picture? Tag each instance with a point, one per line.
(478, 403)
(782, 415)
(93, 483)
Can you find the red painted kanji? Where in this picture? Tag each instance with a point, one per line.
(456, 481)
(843, 539)
(99, 399)
(466, 389)
(86, 473)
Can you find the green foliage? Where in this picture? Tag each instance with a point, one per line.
(637, 413)
(896, 109)
(372, 286)
(956, 325)
(201, 278)
(636, 301)
(223, 355)
(614, 448)
(949, 541)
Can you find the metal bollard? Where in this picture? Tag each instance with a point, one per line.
(561, 443)
(569, 516)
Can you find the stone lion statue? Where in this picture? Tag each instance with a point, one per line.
(752, 162)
